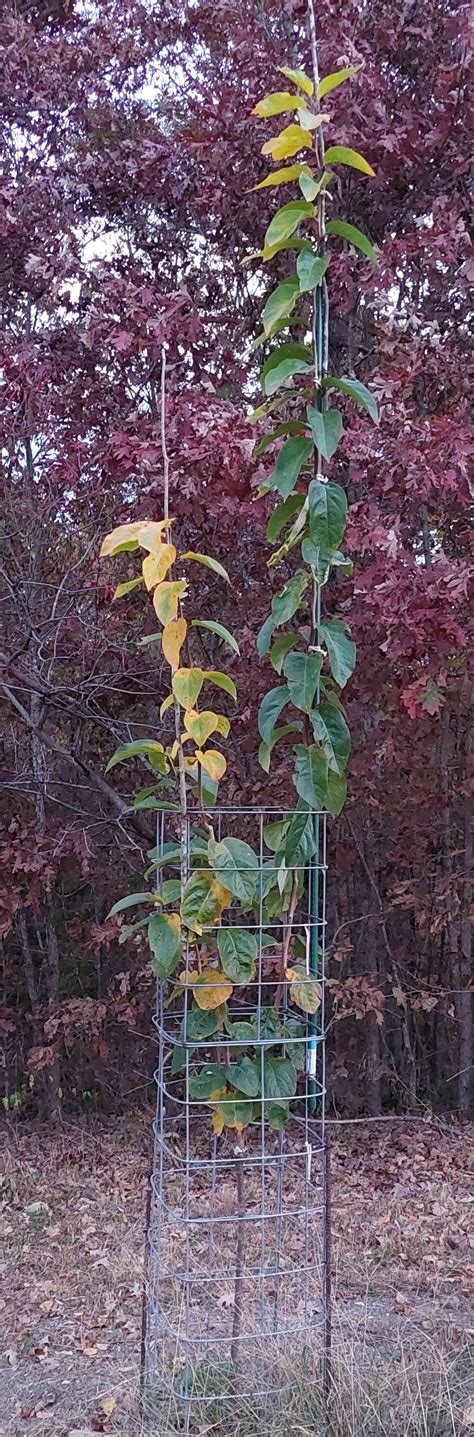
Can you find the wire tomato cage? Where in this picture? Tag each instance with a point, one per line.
(238, 1282)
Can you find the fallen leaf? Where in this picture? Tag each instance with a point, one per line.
(108, 1405)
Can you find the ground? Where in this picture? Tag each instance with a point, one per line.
(403, 1261)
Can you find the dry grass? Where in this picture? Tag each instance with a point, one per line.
(73, 1216)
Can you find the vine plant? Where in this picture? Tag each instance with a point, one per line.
(201, 877)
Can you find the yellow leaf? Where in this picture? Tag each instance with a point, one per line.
(223, 725)
(108, 1405)
(201, 725)
(174, 635)
(310, 121)
(187, 977)
(143, 532)
(156, 565)
(187, 685)
(211, 989)
(299, 78)
(305, 991)
(218, 1123)
(280, 177)
(213, 762)
(276, 103)
(166, 599)
(288, 142)
(167, 704)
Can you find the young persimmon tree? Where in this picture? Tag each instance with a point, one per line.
(203, 879)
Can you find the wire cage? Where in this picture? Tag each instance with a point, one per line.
(237, 1286)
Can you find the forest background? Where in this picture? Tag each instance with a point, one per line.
(126, 213)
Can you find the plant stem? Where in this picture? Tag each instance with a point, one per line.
(183, 807)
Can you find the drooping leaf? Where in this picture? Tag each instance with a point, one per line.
(127, 587)
(238, 953)
(301, 840)
(174, 635)
(296, 1048)
(211, 989)
(232, 1114)
(290, 459)
(311, 269)
(201, 725)
(141, 748)
(326, 426)
(299, 78)
(213, 761)
(310, 119)
(209, 563)
(280, 304)
(310, 776)
(341, 155)
(279, 1077)
(155, 566)
(236, 866)
(287, 143)
(309, 187)
(330, 729)
(166, 599)
(356, 391)
(284, 605)
(244, 1076)
(336, 793)
(164, 937)
(221, 681)
(286, 221)
(332, 82)
(131, 900)
(302, 673)
(270, 709)
(282, 514)
(203, 901)
(276, 103)
(327, 510)
(290, 426)
(277, 1115)
(353, 236)
(290, 349)
(179, 1059)
(143, 532)
(281, 177)
(305, 990)
(280, 648)
(266, 749)
(275, 833)
(199, 1025)
(187, 685)
(215, 628)
(341, 650)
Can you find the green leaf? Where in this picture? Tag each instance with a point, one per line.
(336, 793)
(270, 710)
(164, 937)
(341, 155)
(310, 776)
(300, 843)
(284, 605)
(179, 1059)
(282, 514)
(289, 462)
(234, 1114)
(291, 426)
(279, 1077)
(266, 749)
(199, 1025)
(341, 650)
(280, 303)
(238, 953)
(236, 866)
(219, 629)
(327, 506)
(275, 833)
(187, 685)
(284, 371)
(203, 901)
(127, 587)
(302, 673)
(354, 237)
(244, 1076)
(130, 901)
(209, 563)
(299, 78)
(332, 82)
(291, 349)
(286, 221)
(280, 648)
(276, 103)
(330, 728)
(308, 185)
(141, 748)
(222, 681)
(296, 1049)
(326, 426)
(277, 1115)
(208, 1082)
(356, 391)
(171, 891)
(311, 269)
